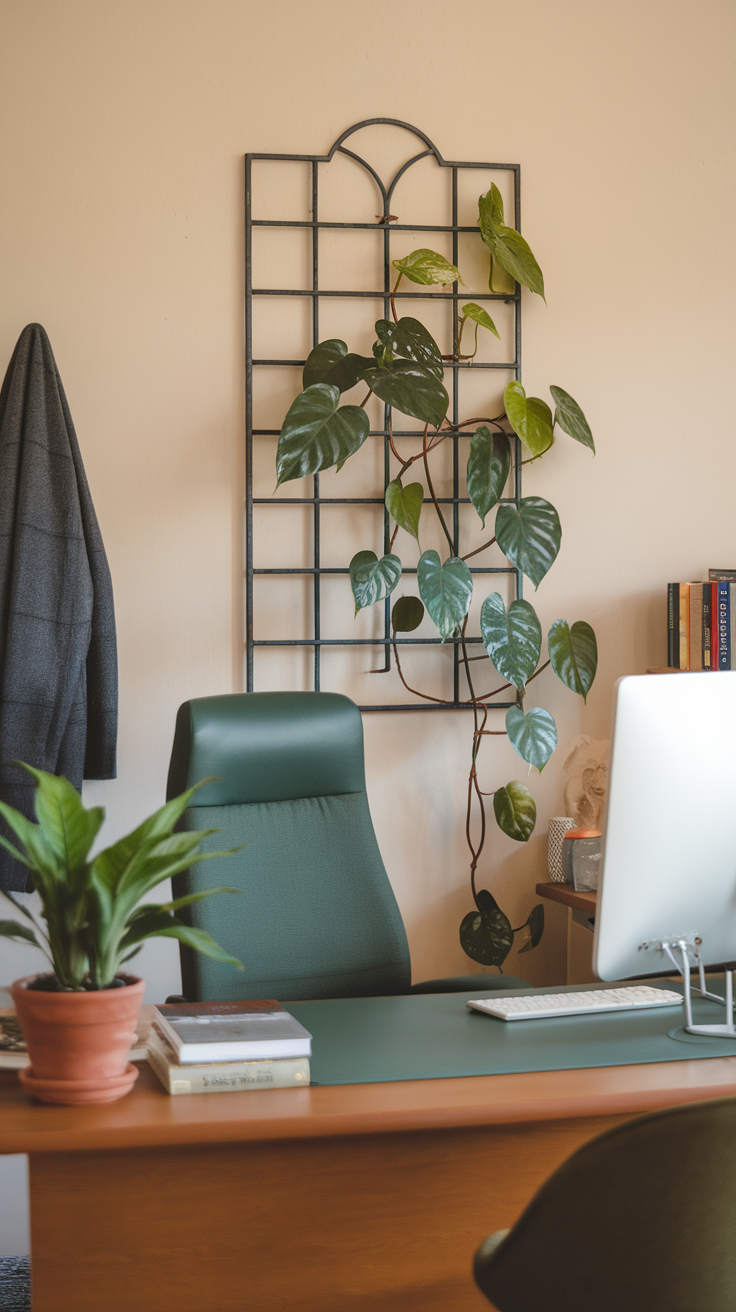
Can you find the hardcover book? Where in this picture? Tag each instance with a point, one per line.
(696, 626)
(231, 1031)
(673, 625)
(684, 662)
(724, 626)
(707, 625)
(223, 1077)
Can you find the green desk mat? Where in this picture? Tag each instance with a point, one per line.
(431, 1036)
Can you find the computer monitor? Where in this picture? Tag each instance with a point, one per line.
(668, 868)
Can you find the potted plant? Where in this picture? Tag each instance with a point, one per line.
(79, 1018)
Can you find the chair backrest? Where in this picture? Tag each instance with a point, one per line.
(642, 1218)
(316, 916)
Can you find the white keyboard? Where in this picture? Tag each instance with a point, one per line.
(537, 1006)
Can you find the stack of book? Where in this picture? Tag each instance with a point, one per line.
(701, 623)
(218, 1047)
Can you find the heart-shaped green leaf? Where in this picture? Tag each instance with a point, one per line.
(489, 462)
(571, 418)
(530, 536)
(372, 579)
(536, 928)
(529, 417)
(427, 267)
(536, 923)
(410, 339)
(480, 316)
(346, 373)
(533, 736)
(407, 614)
(316, 435)
(321, 359)
(515, 811)
(514, 255)
(512, 638)
(446, 590)
(405, 504)
(490, 211)
(506, 245)
(574, 655)
(412, 389)
(486, 935)
(332, 363)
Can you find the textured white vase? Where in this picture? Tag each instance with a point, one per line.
(558, 827)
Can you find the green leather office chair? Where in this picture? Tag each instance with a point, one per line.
(316, 916)
(642, 1219)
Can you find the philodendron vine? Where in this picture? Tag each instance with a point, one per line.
(405, 370)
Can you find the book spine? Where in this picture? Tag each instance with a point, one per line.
(684, 613)
(707, 624)
(673, 625)
(714, 627)
(287, 1073)
(724, 627)
(696, 626)
(732, 625)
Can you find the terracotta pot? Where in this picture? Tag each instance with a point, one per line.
(78, 1043)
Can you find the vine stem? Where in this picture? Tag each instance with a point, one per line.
(393, 445)
(485, 547)
(485, 695)
(482, 419)
(473, 779)
(430, 485)
(443, 701)
(392, 294)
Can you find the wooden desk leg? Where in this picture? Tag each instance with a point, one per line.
(339, 1225)
(568, 976)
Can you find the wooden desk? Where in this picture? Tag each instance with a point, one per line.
(579, 937)
(340, 1199)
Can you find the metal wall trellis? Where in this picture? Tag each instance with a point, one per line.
(316, 293)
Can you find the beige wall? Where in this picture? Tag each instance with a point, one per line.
(122, 132)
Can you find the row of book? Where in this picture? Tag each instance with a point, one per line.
(219, 1047)
(701, 623)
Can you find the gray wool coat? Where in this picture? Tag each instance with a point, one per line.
(58, 652)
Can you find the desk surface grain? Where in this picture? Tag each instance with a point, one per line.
(148, 1116)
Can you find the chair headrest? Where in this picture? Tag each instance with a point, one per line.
(267, 747)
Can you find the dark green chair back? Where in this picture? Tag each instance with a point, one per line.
(642, 1219)
(316, 916)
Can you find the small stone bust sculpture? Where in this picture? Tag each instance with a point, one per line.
(586, 776)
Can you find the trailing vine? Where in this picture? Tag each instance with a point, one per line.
(405, 371)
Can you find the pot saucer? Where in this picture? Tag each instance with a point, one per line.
(68, 1092)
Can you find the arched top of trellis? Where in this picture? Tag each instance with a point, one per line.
(387, 191)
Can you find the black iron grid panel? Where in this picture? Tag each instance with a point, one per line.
(317, 570)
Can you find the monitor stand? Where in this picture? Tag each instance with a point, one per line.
(678, 950)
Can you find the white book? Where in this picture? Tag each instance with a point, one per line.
(231, 1031)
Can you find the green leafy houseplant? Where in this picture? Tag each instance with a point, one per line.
(405, 370)
(92, 920)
